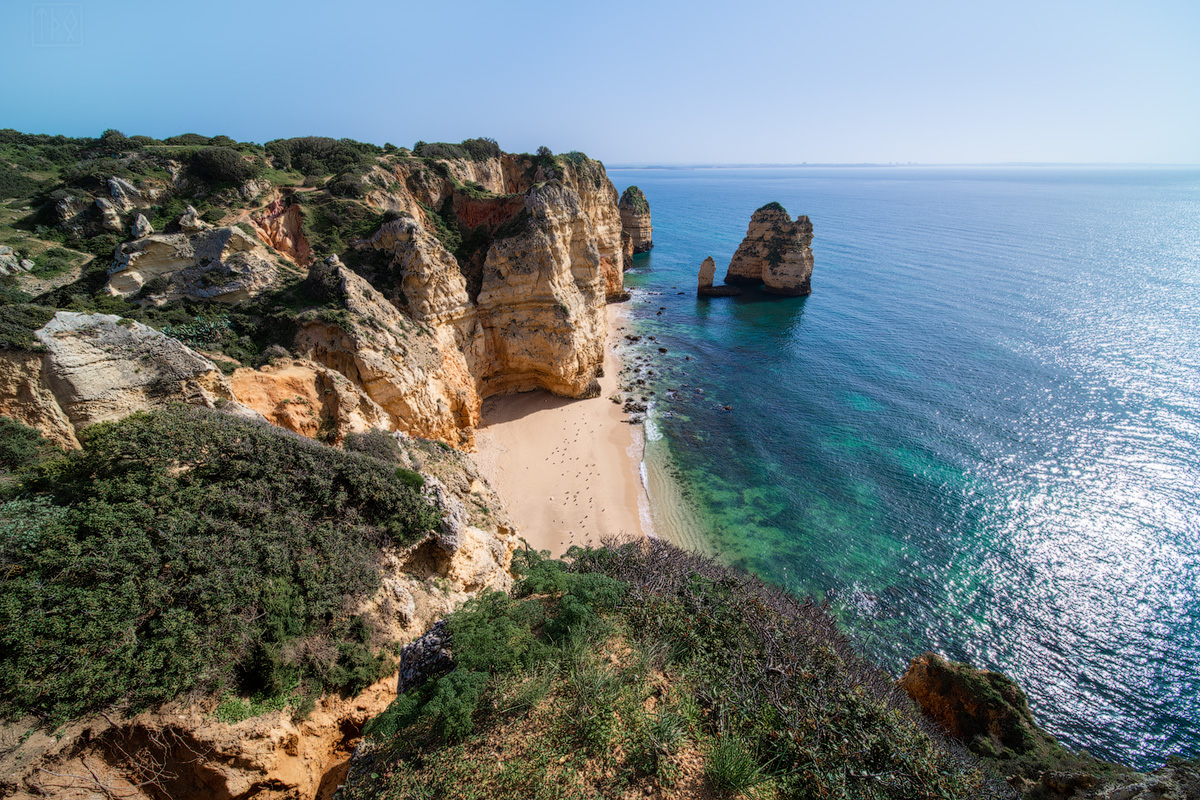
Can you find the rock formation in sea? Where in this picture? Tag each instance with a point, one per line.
(775, 253)
(705, 288)
(635, 219)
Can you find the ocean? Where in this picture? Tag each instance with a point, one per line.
(979, 435)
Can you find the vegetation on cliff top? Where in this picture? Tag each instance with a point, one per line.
(633, 198)
(644, 670)
(185, 549)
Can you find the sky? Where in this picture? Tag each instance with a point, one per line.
(627, 82)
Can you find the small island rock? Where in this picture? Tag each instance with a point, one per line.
(775, 253)
(705, 286)
(635, 219)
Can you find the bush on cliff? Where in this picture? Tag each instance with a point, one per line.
(641, 669)
(224, 165)
(321, 155)
(185, 549)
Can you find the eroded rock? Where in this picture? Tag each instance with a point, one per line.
(776, 253)
(635, 219)
(225, 264)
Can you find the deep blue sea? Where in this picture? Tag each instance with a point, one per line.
(979, 435)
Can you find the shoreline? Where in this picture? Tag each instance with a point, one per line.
(588, 485)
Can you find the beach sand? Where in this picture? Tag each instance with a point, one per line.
(569, 470)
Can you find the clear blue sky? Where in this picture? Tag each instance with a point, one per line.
(931, 82)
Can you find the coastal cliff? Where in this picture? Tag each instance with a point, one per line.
(775, 253)
(362, 298)
(458, 272)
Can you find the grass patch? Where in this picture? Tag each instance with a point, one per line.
(644, 670)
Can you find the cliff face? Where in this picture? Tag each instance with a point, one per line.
(776, 252)
(635, 219)
(396, 361)
(522, 308)
(99, 368)
(225, 264)
(280, 225)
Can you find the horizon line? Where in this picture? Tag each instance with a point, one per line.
(755, 165)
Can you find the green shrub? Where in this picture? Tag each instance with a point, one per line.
(633, 198)
(378, 444)
(348, 184)
(15, 183)
(188, 140)
(224, 165)
(409, 478)
(320, 155)
(18, 323)
(185, 549)
(732, 768)
(20, 445)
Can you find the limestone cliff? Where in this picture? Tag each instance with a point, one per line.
(307, 398)
(280, 225)
(431, 335)
(398, 362)
(202, 263)
(635, 219)
(989, 713)
(776, 253)
(100, 367)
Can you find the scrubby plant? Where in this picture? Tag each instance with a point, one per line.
(321, 155)
(610, 674)
(21, 446)
(224, 165)
(186, 549)
(18, 323)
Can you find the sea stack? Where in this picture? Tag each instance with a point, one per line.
(635, 219)
(705, 288)
(775, 253)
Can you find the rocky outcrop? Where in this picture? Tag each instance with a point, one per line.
(397, 362)
(307, 398)
(99, 368)
(536, 322)
(626, 250)
(973, 705)
(141, 227)
(109, 217)
(13, 264)
(541, 306)
(203, 263)
(26, 397)
(775, 253)
(281, 225)
(989, 713)
(635, 219)
(705, 288)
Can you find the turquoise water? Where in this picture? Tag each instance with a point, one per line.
(979, 435)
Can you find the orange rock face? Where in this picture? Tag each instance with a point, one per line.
(971, 703)
(281, 226)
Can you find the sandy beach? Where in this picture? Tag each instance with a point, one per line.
(569, 470)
